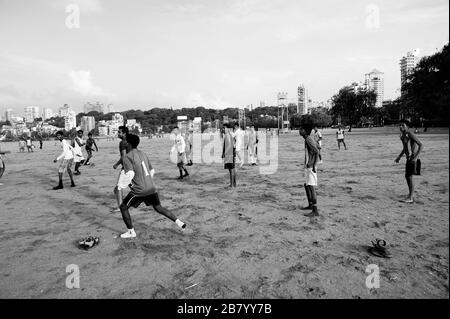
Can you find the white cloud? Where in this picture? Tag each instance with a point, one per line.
(82, 83)
(196, 99)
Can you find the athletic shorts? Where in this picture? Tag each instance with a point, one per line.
(89, 151)
(340, 140)
(412, 168)
(181, 159)
(122, 172)
(310, 177)
(65, 164)
(134, 201)
(78, 158)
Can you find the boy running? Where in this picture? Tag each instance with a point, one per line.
(67, 161)
(138, 172)
(77, 144)
(410, 144)
(340, 138)
(229, 154)
(123, 145)
(311, 157)
(89, 142)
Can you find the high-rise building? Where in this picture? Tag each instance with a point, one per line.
(302, 105)
(70, 120)
(8, 115)
(375, 82)
(93, 107)
(64, 110)
(407, 65)
(87, 123)
(31, 113)
(47, 113)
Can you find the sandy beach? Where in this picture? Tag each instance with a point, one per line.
(251, 242)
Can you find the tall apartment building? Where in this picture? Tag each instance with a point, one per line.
(407, 65)
(302, 105)
(375, 81)
(64, 110)
(87, 123)
(70, 120)
(8, 115)
(31, 112)
(47, 113)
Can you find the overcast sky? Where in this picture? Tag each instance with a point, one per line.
(215, 53)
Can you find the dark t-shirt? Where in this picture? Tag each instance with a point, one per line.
(139, 163)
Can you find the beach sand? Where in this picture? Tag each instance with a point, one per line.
(249, 242)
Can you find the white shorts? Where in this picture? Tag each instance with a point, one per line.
(310, 177)
(121, 175)
(78, 158)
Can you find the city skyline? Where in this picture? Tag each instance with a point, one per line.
(204, 53)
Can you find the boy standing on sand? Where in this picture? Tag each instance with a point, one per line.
(229, 154)
(89, 143)
(252, 142)
(410, 143)
(180, 147)
(311, 157)
(67, 161)
(239, 137)
(340, 137)
(123, 145)
(138, 172)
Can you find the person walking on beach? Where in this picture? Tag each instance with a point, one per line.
(188, 142)
(340, 137)
(29, 144)
(66, 158)
(180, 147)
(138, 172)
(318, 139)
(239, 137)
(21, 145)
(311, 158)
(123, 146)
(252, 142)
(411, 148)
(77, 144)
(229, 154)
(89, 143)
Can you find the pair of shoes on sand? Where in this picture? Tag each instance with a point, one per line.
(379, 249)
(88, 242)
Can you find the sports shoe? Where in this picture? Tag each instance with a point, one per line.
(306, 207)
(129, 234)
(312, 214)
(60, 186)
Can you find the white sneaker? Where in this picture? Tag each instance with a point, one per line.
(129, 234)
(320, 162)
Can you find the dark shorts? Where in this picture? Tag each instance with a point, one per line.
(134, 201)
(412, 168)
(229, 165)
(340, 140)
(89, 151)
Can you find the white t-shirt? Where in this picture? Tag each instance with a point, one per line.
(77, 148)
(67, 150)
(340, 134)
(239, 135)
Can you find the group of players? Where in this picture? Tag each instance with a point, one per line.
(137, 172)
